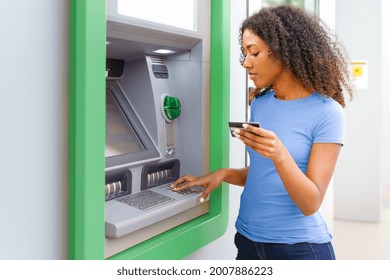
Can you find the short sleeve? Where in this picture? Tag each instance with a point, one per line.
(331, 124)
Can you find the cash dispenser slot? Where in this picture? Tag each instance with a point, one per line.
(118, 184)
(158, 174)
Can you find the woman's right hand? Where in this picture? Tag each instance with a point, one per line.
(209, 181)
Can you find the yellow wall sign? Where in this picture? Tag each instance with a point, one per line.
(359, 70)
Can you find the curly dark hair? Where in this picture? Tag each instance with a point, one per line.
(305, 46)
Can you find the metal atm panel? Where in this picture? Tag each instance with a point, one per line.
(148, 206)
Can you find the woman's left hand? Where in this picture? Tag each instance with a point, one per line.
(264, 142)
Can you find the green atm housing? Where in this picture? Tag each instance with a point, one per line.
(88, 170)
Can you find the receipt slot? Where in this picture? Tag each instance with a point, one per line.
(151, 115)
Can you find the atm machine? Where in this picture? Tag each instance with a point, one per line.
(158, 127)
(143, 150)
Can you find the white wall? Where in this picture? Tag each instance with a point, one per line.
(385, 59)
(360, 169)
(34, 129)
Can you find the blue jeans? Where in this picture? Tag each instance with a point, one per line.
(249, 250)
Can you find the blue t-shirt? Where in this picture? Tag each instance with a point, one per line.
(267, 213)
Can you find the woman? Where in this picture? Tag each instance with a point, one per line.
(300, 74)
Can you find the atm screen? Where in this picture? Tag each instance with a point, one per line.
(127, 140)
(120, 135)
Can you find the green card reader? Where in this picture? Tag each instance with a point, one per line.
(171, 108)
